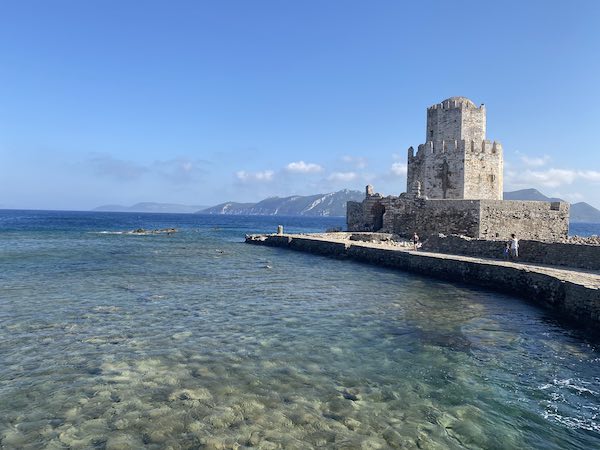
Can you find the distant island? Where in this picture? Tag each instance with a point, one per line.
(326, 205)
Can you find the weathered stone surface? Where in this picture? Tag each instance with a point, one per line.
(309, 245)
(552, 253)
(455, 118)
(456, 161)
(572, 294)
(482, 219)
(545, 221)
(589, 240)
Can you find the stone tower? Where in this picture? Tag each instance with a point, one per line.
(456, 161)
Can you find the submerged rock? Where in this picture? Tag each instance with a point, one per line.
(351, 394)
(144, 232)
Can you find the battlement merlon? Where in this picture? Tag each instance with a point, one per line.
(456, 103)
(454, 146)
(455, 118)
(491, 147)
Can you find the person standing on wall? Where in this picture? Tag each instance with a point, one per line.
(416, 241)
(514, 247)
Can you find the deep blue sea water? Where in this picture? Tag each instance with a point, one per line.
(197, 340)
(584, 229)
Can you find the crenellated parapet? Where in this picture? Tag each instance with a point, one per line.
(486, 147)
(456, 118)
(457, 169)
(455, 146)
(455, 103)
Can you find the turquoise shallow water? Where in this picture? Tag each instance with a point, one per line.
(196, 340)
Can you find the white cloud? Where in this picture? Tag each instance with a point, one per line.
(302, 167)
(550, 177)
(538, 161)
(399, 168)
(342, 176)
(263, 176)
(554, 177)
(357, 161)
(590, 175)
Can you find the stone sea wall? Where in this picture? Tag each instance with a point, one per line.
(555, 253)
(571, 296)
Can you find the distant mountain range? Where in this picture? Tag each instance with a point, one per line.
(530, 194)
(332, 204)
(580, 212)
(150, 207)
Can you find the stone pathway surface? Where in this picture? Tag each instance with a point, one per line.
(583, 277)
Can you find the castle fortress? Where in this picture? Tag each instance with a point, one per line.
(456, 161)
(455, 185)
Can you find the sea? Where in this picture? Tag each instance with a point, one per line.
(189, 340)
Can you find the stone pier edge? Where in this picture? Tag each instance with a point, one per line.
(572, 301)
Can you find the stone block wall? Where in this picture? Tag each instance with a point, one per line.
(481, 219)
(484, 169)
(457, 170)
(366, 215)
(455, 119)
(405, 216)
(551, 253)
(355, 220)
(544, 221)
(439, 168)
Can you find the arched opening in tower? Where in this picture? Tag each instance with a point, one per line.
(378, 210)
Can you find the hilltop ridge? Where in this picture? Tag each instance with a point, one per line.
(330, 204)
(334, 204)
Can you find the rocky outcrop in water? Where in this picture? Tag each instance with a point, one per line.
(143, 232)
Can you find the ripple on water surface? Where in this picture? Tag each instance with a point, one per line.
(120, 341)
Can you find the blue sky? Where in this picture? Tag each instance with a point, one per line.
(202, 102)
